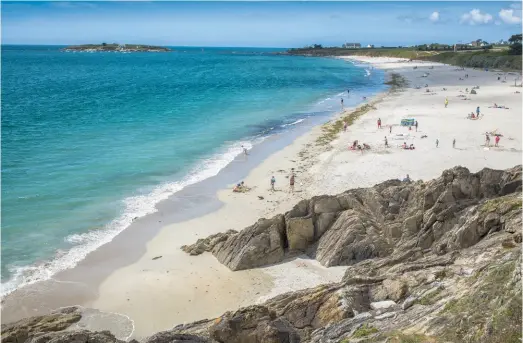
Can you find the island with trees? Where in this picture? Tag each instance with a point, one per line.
(115, 47)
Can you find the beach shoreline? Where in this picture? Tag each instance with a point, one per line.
(164, 286)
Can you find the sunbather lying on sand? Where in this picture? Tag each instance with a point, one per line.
(499, 106)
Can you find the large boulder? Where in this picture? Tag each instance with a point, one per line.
(254, 324)
(260, 244)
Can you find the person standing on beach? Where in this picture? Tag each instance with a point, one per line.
(454, 143)
(341, 103)
(344, 126)
(487, 139)
(477, 112)
(245, 150)
(496, 140)
(386, 142)
(379, 123)
(291, 183)
(416, 125)
(446, 102)
(348, 91)
(390, 128)
(273, 181)
(437, 142)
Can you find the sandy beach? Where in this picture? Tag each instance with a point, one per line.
(165, 286)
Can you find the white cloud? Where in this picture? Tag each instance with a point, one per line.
(516, 5)
(434, 17)
(476, 17)
(508, 17)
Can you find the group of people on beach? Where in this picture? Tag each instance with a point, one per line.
(292, 181)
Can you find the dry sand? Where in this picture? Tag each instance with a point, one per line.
(176, 288)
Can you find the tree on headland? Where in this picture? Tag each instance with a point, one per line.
(515, 44)
(317, 46)
(104, 44)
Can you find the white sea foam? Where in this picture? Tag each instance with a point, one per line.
(136, 206)
(293, 123)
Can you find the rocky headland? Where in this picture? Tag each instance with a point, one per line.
(435, 261)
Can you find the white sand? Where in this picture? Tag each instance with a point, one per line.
(177, 288)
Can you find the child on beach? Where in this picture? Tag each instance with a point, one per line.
(273, 181)
(446, 102)
(497, 140)
(379, 123)
(244, 150)
(487, 139)
(386, 142)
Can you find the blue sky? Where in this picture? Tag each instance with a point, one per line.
(261, 24)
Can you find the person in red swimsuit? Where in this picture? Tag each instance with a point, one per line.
(379, 123)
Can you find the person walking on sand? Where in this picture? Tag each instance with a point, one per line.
(273, 181)
(446, 102)
(437, 142)
(386, 142)
(244, 150)
(344, 126)
(496, 140)
(291, 183)
(341, 103)
(379, 123)
(390, 128)
(416, 125)
(487, 139)
(477, 112)
(454, 143)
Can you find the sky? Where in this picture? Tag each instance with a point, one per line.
(258, 24)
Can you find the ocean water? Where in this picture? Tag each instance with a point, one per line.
(92, 140)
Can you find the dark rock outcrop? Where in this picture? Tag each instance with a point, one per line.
(390, 218)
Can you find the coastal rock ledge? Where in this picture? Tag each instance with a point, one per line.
(391, 218)
(432, 262)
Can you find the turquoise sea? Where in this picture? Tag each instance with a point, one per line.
(92, 140)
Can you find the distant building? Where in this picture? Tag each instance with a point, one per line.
(351, 45)
(503, 42)
(370, 46)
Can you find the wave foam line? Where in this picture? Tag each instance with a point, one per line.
(136, 206)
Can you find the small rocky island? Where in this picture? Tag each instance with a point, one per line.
(114, 47)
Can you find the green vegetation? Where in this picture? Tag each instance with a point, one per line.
(490, 313)
(430, 298)
(331, 130)
(515, 44)
(492, 205)
(364, 330)
(478, 59)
